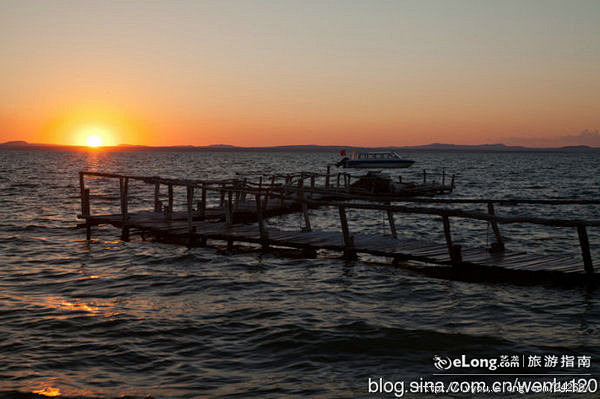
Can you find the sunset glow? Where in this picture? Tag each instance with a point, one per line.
(348, 73)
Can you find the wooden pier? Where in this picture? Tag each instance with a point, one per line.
(237, 211)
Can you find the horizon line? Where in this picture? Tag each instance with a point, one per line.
(21, 144)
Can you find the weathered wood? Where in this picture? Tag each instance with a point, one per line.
(454, 251)
(243, 190)
(327, 176)
(123, 188)
(424, 176)
(460, 213)
(183, 226)
(585, 249)
(307, 226)
(157, 204)
(264, 236)
(349, 251)
(499, 244)
(86, 213)
(170, 204)
(203, 203)
(190, 210)
(390, 216)
(222, 192)
(82, 193)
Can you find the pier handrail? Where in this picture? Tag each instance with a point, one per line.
(316, 190)
(458, 213)
(232, 191)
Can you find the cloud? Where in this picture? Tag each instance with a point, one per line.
(587, 137)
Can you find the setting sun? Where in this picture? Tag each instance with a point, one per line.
(95, 136)
(93, 141)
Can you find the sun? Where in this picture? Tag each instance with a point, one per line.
(95, 136)
(93, 141)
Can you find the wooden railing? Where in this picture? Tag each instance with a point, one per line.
(232, 191)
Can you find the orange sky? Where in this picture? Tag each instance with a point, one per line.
(255, 73)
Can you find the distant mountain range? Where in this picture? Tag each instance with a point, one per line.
(24, 146)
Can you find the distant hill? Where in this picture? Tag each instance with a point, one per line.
(24, 146)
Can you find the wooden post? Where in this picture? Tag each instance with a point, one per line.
(498, 246)
(170, 207)
(349, 251)
(87, 213)
(338, 180)
(222, 202)
(300, 186)
(237, 186)
(454, 251)
(585, 249)
(312, 185)
(424, 176)
(243, 190)
(327, 176)
(202, 207)
(443, 177)
(82, 193)
(124, 188)
(390, 215)
(265, 202)
(190, 201)
(157, 204)
(228, 209)
(307, 226)
(264, 236)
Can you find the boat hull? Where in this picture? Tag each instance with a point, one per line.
(377, 164)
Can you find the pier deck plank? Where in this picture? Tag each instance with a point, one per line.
(404, 248)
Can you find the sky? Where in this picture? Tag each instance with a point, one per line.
(255, 73)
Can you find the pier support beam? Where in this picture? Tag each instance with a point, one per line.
(585, 249)
(454, 251)
(190, 201)
(390, 216)
(170, 206)
(264, 236)
(124, 189)
(349, 251)
(85, 205)
(202, 204)
(157, 204)
(497, 246)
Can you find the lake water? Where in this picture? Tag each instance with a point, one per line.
(108, 318)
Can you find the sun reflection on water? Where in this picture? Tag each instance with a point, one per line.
(48, 391)
(92, 308)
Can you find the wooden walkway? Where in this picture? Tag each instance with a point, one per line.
(244, 221)
(399, 249)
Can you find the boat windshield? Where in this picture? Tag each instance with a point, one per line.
(376, 155)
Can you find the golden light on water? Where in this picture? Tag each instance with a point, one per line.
(48, 391)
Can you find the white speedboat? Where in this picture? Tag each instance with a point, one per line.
(378, 160)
